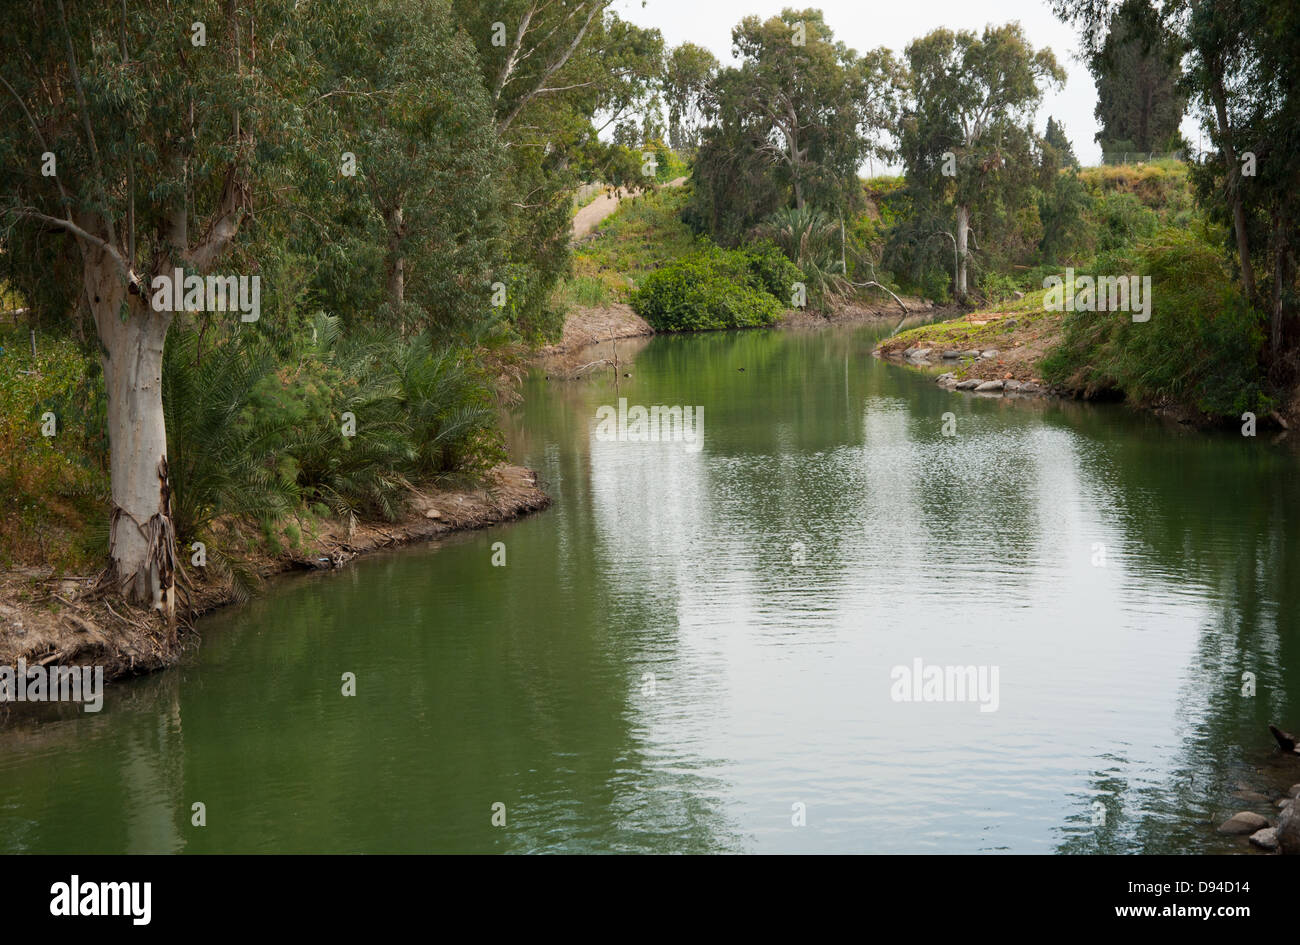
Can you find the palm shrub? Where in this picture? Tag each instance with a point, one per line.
(809, 238)
(353, 454)
(348, 421)
(223, 452)
(448, 405)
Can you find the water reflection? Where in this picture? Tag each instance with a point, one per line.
(689, 645)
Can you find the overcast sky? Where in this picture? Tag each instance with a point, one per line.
(866, 24)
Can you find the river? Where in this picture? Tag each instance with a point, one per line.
(695, 648)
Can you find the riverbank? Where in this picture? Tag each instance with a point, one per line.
(1004, 350)
(993, 352)
(591, 333)
(54, 619)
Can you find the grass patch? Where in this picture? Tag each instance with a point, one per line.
(645, 233)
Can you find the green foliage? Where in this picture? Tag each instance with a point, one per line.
(587, 291)
(253, 437)
(709, 289)
(1200, 348)
(1054, 138)
(998, 287)
(969, 148)
(811, 239)
(772, 268)
(1121, 221)
(405, 94)
(1137, 68)
(793, 123)
(575, 60)
(49, 483)
(688, 72)
(223, 452)
(1062, 213)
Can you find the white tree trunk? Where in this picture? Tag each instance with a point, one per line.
(963, 224)
(142, 539)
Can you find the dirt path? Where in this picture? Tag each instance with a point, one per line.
(589, 217)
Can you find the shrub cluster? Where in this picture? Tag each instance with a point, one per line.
(1201, 347)
(715, 288)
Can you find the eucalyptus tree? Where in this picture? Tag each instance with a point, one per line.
(802, 110)
(966, 138)
(556, 73)
(135, 134)
(688, 72)
(399, 107)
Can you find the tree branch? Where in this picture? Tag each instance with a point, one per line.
(85, 120)
(553, 68)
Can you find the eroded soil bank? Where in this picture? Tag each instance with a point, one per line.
(49, 620)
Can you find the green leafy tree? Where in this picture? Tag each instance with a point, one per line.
(400, 105)
(965, 136)
(1054, 138)
(1137, 68)
(157, 122)
(688, 73)
(557, 74)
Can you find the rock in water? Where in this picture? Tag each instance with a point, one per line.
(1288, 830)
(1243, 822)
(1265, 839)
(1286, 740)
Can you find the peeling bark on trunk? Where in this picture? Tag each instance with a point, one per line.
(142, 538)
(963, 224)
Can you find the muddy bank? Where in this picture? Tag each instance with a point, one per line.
(851, 311)
(49, 620)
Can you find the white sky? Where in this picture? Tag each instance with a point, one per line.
(866, 24)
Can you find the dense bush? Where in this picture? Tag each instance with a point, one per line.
(249, 435)
(773, 270)
(1121, 219)
(716, 288)
(1201, 346)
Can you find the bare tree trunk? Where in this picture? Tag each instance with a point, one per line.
(963, 224)
(142, 538)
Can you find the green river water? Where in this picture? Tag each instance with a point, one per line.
(692, 648)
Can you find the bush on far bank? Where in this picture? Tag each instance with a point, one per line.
(713, 288)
